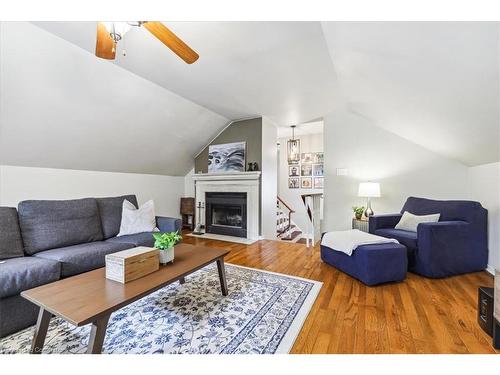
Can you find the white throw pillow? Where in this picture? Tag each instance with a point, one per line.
(410, 222)
(138, 220)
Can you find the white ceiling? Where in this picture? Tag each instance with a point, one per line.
(278, 69)
(435, 84)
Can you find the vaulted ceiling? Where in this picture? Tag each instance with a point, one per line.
(436, 84)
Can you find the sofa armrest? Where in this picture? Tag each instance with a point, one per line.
(168, 224)
(383, 221)
(443, 244)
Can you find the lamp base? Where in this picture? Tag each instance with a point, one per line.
(369, 212)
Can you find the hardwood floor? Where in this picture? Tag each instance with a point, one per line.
(419, 315)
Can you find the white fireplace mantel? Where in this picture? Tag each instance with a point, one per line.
(226, 176)
(236, 182)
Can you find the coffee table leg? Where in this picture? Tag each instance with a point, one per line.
(222, 276)
(97, 334)
(182, 280)
(42, 326)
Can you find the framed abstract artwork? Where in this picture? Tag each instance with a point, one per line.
(227, 157)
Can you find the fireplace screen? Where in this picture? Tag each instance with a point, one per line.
(226, 213)
(229, 216)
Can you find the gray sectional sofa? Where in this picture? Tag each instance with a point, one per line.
(44, 241)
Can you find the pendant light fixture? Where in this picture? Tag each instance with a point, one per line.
(293, 148)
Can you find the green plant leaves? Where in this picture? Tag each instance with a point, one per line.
(166, 240)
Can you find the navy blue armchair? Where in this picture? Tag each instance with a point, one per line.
(457, 244)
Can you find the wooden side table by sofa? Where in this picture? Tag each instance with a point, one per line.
(361, 224)
(187, 212)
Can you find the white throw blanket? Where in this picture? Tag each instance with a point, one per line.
(347, 241)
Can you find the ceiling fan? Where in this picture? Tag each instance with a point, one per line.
(110, 33)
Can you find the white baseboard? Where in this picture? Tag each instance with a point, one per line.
(490, 269)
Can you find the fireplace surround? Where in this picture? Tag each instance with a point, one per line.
(235, 182)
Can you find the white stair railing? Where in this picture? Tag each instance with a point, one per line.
(313, 209)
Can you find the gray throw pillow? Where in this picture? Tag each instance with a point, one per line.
(410, 222)
(11, 243)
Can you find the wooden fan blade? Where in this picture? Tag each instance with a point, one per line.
(172, 41)
(105, 46)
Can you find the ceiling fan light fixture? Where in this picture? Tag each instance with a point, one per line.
(117, 30)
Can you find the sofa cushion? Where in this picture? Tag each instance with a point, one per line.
(18, 274)
(407, 238)
(11, 244)
(139, 239)
(110, 211)
(52, 224)
(84, 257)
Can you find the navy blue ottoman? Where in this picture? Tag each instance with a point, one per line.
(371, 264)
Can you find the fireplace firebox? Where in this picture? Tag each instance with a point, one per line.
(226, 213)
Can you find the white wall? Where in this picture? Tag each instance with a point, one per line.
(21, 183)
(371, 153)
(62, 107)
(189, 184)
(484, 184)
(308, 143)
(269, 180)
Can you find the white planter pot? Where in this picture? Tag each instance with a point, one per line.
(167, 255)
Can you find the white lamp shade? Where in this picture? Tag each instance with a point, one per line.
(369, 189)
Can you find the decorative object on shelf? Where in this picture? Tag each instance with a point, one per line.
(306, 183)
(306, 170)
(361, 224)
(293, 170)
(319, 182)
(199, 227)
(358, 211)
(293, 183)
(253, 167)
(127, 265)
(227, 157)
(293, 148)
(165, 242)
(187, 212)
(318, 170)
(369, 190)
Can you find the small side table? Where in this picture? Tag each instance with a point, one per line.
(187, 212)
(361, 224)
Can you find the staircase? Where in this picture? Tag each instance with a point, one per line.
(286, 230)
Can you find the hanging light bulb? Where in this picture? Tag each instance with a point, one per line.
(293, 148)
(117, 29)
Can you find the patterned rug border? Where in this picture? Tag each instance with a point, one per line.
(294, 329)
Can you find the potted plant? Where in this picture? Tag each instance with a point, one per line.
(358, 211)
(165, 242)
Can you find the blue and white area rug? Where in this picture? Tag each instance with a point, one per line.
(263, 313)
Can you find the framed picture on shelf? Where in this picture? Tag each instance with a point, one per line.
(318, 157)
(318, 182)
(306, 183)
(318, 170)
(306, 157)
(306, 170)
(293, 171)
(227, 157)
(293, 183)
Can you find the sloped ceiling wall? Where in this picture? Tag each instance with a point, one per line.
(61, 107)
(435, 84)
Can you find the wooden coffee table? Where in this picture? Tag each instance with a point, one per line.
(90, 298)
